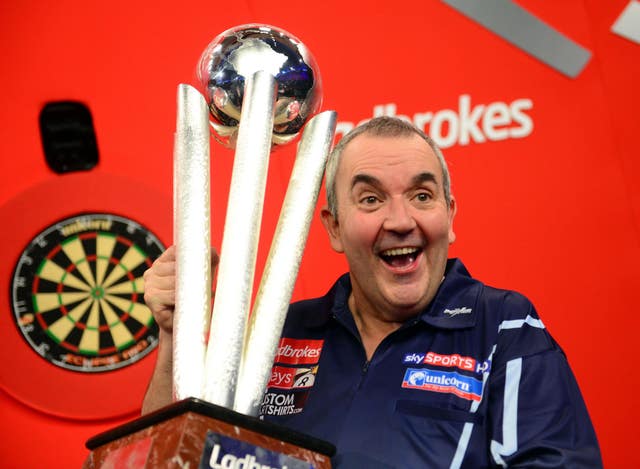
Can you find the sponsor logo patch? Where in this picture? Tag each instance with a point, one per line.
(449, 382)
(413, 358)
(285, 377)
(299, 351)
(451, 361)
(456, 311)
(275, 403)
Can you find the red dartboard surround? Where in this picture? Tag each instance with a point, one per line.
(77, 340)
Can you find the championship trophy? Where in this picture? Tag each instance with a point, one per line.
(261, 87)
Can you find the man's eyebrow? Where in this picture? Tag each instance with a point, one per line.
(364, 179)
(417, 180)
(424, 177)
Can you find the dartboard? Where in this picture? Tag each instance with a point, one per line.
(77, 292)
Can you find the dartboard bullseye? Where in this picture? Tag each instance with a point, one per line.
(77, 292)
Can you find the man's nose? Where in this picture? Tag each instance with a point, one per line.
(399, 217)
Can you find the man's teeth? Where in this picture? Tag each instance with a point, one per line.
(399, 251)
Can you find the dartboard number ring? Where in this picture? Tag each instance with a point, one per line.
(77, 292)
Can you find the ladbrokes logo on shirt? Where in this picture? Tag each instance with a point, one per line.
(299, 351)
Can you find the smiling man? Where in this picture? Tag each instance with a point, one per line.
(408, 361)
(391, 214)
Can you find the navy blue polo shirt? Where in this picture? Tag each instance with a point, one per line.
(474, 381)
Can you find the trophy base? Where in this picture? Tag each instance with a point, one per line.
(196, 434)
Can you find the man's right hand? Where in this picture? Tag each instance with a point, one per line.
(160, 289)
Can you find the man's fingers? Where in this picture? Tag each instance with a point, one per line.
(158, 296)
(159, 282)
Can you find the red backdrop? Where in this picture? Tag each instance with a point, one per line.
(547, 194)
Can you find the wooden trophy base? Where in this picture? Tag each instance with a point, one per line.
(196, 434)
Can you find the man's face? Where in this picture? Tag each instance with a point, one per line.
(393, 223)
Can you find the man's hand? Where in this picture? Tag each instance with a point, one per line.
(160, 287)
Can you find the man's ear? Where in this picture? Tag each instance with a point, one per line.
(333, 229)
(453, 208)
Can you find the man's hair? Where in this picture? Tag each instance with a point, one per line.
(380, 127)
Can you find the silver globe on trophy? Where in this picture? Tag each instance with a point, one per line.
(259, 87)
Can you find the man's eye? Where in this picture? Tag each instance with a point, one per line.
(369, 200)
(423, 197)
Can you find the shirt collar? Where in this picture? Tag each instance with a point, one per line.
(454, 306)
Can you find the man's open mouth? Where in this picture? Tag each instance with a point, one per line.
(400, 257)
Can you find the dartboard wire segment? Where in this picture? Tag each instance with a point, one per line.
(78, 293)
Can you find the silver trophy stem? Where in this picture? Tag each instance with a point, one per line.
(281, 270)
(192, 239)
(240, 240)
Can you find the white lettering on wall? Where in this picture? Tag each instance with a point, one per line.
(470, 123)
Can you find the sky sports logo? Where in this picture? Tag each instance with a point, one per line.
(449, 361)
(299, 351)
(469, 123)
(448, 382)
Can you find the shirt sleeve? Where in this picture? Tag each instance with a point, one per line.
(537, 416)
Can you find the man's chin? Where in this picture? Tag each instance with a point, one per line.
(406, 305)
